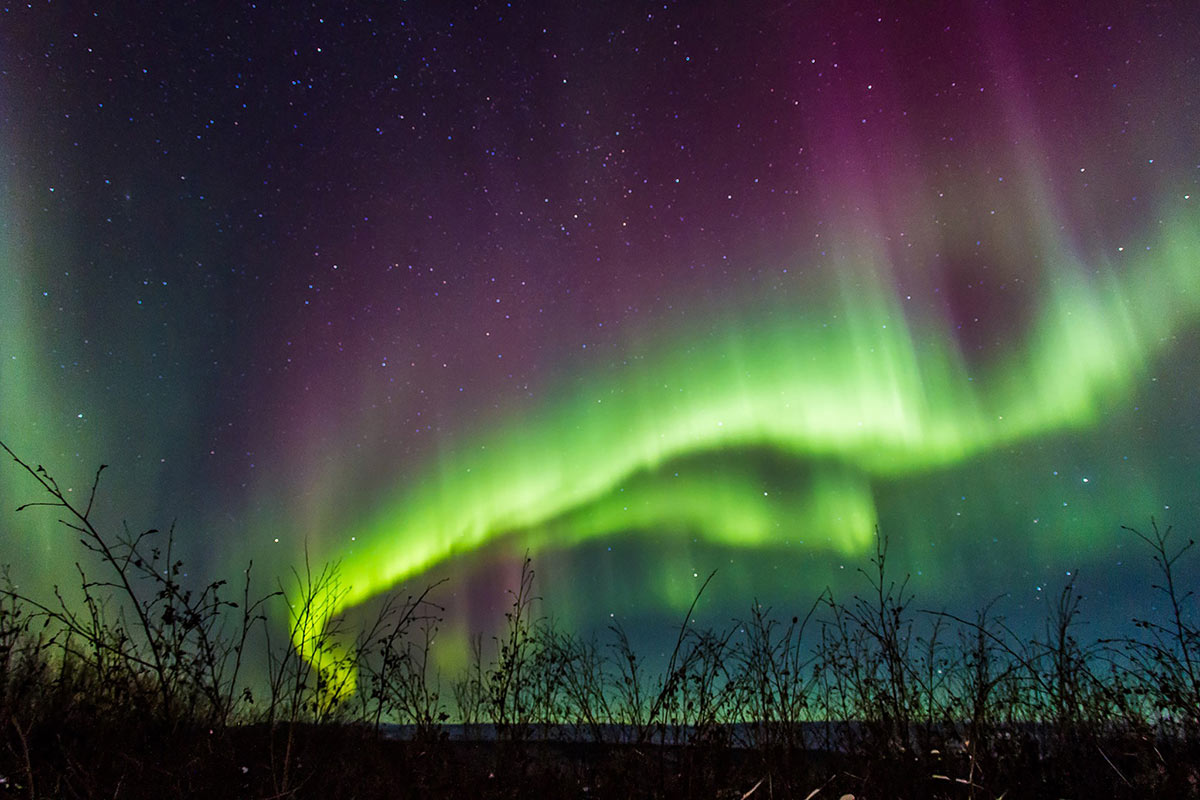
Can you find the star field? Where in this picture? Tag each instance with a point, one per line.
(642, 289)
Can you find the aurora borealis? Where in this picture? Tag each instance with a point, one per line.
(642, 290)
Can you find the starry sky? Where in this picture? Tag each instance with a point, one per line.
(642, 290)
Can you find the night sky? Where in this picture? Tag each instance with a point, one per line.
(642, 290)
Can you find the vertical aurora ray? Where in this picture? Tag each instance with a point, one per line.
(31, 405)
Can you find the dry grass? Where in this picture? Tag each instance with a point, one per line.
(138, 690)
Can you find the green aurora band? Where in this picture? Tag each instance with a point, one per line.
(866, 391)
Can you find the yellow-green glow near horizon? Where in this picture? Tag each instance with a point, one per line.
(865, 390)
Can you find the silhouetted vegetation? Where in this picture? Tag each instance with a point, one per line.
(137, 687)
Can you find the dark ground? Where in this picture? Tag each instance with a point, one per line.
(332, 761)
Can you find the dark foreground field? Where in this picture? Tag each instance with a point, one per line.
(136, 686)
(336, 761)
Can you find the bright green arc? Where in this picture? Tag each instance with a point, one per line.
(863, 391)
